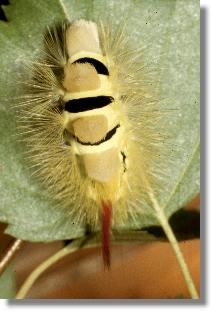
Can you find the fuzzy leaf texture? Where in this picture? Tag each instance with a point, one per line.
(169, 29)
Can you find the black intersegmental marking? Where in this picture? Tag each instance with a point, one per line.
(100, 67)
(87, 103)
(124, 160)
(107, 137)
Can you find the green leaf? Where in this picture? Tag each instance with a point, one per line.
(7, 290)
(170, 29)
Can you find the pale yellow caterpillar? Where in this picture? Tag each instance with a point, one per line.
(91, 125)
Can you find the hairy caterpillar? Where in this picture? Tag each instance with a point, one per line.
(87, 124)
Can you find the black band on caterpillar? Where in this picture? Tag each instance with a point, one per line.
(100, 67)
(107, 137)
(87, 103)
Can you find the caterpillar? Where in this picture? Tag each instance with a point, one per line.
(87, 124)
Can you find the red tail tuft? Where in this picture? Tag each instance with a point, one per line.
(106, 224)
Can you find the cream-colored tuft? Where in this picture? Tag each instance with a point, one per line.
(112, 115)
(82, 36)
(90, 129)
(80, 77)
(103, 166)
(104, 89)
